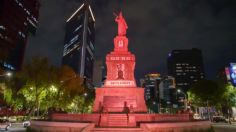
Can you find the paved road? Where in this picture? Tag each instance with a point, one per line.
(218, 127)
(15, 127)
(224, 127)
(14, 130)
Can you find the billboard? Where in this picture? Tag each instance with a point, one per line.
(233, 73)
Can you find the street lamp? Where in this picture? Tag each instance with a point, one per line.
(179, 91)
(185, 98)
(8, 74)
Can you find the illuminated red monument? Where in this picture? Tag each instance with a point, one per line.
(120, 93)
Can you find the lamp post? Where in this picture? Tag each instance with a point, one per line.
(185, 98)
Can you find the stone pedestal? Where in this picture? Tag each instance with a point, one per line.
(125, 100)
(120, 93)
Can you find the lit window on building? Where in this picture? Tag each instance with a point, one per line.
(91, 45)
(8, 66)
(21, 34)
(179, 70)
(89, 31)
(89, 50)
(80, 26)
(74, 39)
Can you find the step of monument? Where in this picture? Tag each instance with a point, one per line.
(121, 121)
(117, 117)
(118, 125)
(117, 122)
(117, 114)
(117, 130)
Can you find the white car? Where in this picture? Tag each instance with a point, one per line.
(26, 123)
(4, 124)
(196, 117)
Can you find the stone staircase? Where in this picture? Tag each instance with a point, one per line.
(118, 120)
(117, 129)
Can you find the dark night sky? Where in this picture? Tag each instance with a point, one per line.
(155, 28)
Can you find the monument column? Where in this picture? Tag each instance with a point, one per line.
(120, 92)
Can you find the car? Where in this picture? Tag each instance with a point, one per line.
(26, 123)
(4, 124)
(219, 119)
(196, 116)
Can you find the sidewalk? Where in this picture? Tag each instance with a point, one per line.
(233, 122)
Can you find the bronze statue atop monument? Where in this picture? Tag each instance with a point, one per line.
(122, 25)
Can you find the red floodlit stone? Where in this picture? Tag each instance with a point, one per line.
(120, 93)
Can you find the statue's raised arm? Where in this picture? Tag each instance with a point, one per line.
(122, 26)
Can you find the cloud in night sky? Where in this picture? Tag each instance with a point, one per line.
(156, 27)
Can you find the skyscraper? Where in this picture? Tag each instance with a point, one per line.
(98, 73)
(18, 19)
(151, 86)
(186, 66)
(79, 42)
(167, 90)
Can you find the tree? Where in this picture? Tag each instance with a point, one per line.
(11, 89)
(69, 86)
(41, 86)
(206, 93)
(229, 99)
(73, 96)
(28, 87)
(213, 93)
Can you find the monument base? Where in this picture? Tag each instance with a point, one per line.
(124, 100)
(65, 126)
(121, 119)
